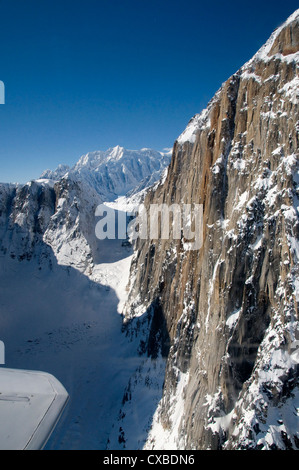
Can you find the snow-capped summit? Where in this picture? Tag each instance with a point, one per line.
(58, 209)
(206, 352)
(116, 171)
(280, 48)
(97, 158)
(60, 171)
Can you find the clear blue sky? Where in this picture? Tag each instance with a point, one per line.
(84, 75)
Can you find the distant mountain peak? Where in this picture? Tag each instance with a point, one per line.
(116, 171)
(60, 171)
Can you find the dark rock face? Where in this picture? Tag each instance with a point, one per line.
(231, 308)
(24, 217)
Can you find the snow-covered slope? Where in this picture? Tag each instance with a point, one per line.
(58, 209)
(56, 319)
(62, 289)
(205, 353)
(116, 171)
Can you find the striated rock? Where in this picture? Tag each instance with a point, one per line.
(229, 311)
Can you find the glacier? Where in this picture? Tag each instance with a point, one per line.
(62, 290)
(161, 347)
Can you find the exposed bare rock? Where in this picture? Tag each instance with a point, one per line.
(230, 309)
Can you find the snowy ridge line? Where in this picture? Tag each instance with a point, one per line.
(263, 53)
(246, 72)
(116, 171)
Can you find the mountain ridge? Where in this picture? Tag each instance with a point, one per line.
(229, 311)
(114, 172)
(59, 207)
(208, 353)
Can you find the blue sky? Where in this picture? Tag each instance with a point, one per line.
(84, 75)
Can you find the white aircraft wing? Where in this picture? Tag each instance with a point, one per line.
(31, 403)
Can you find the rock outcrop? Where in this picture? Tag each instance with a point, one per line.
(226, 316)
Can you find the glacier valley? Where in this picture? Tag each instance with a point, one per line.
(162, 347)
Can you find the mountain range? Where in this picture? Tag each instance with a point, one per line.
(159, 346)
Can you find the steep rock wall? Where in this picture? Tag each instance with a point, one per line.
(230, 309)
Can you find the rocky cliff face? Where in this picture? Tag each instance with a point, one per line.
(44, 217)
(226, 316)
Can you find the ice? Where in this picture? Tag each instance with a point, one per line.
(62, 296)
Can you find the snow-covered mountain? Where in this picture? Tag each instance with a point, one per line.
(62, 289)
(165, 347)
(58, 209)
(115, 172)
(224, 318)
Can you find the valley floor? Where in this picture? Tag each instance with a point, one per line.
(69, 325)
